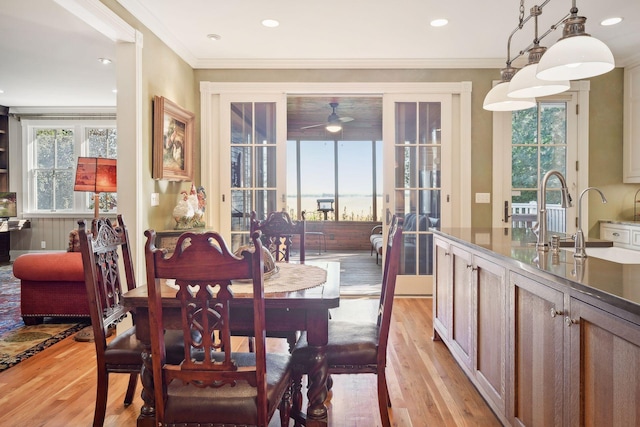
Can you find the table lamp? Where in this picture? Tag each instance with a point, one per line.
(98, 175)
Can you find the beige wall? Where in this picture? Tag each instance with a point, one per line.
(164, 73)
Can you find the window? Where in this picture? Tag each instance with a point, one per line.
(349, 172)
(52, 151)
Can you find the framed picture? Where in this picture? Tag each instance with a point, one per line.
(173, 145)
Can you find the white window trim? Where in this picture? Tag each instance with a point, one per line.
(79, 127)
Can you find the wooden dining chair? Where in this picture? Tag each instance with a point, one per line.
(277, 231)
(104, 248)
(216, 386)
(358, 347)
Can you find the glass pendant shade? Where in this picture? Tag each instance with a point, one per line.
(574, 58)
(525, 84)
(497, 100)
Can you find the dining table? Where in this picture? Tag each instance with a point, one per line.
(298, 297)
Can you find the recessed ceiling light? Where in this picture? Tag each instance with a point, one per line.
(114, 90)
(611, 21)
(440, 22)
(1, 91)
(271, 23)
(214, 37)
(104, 61)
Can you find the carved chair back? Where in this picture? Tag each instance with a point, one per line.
(277, 231)
(203, 268)
(105, 248)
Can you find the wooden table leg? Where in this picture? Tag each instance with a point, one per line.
(147, 417)
(317, 332)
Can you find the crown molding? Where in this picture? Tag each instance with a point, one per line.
(223, 63)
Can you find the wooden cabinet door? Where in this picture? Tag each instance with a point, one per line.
(604, 368)
(442, 303)
(536, 366)
(463, 306)
(491, 336)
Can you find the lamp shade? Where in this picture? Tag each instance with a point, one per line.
(525, 84)
(576, 57)
(96, 174)
(497, 100)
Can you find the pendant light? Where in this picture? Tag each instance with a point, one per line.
(497, 99)
(525, 84)
(576, 55)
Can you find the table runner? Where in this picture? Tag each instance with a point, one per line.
(289, 278)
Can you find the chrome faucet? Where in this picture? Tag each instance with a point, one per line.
(580, 245)
(542, 243)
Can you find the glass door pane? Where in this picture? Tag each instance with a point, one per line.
(417, 181)
(253, 165)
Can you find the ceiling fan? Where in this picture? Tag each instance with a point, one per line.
(334, 122)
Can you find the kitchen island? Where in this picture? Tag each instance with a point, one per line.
(546, 339)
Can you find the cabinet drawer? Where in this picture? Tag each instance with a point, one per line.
(635, 238)
(616, 235)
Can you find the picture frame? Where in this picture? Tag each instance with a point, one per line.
(173, 141)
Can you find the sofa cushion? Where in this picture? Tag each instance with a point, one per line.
(49, 266)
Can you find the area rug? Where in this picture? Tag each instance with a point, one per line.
(17, 341)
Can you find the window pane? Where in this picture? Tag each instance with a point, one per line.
(524, 160)
(429, 122)
(241, 122)
(553, 124)
(65, 158)
(524, 125)
(355, 180)
(241, 207)
(44, 195)
(64, 190)
(45, 148)
(265, 166)
(265, 123)
(317, 178)
(102, 142)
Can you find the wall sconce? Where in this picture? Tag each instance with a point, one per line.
(97, 175)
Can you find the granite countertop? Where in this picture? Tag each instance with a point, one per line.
(614, 283)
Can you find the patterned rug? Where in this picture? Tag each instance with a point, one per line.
(17, 341)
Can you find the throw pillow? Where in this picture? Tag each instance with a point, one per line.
(74, 241)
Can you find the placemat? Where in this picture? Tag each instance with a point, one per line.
(289, 278)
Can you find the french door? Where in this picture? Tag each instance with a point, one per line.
(529, 143)
(418, 140)
(253, 129)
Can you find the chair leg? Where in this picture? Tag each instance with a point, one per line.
(296, 408)
(102, 390)
(131, 389)
(251, 345)
(384, 401)
(285, 407)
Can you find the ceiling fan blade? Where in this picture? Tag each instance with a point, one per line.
(313, 126)
(346, 119)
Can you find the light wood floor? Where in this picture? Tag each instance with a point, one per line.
(57, 386)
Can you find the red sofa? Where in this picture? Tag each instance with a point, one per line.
(51, 285)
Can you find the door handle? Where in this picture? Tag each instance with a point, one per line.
(506, 211)
(388, 216)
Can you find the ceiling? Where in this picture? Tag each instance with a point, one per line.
(50, 57)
